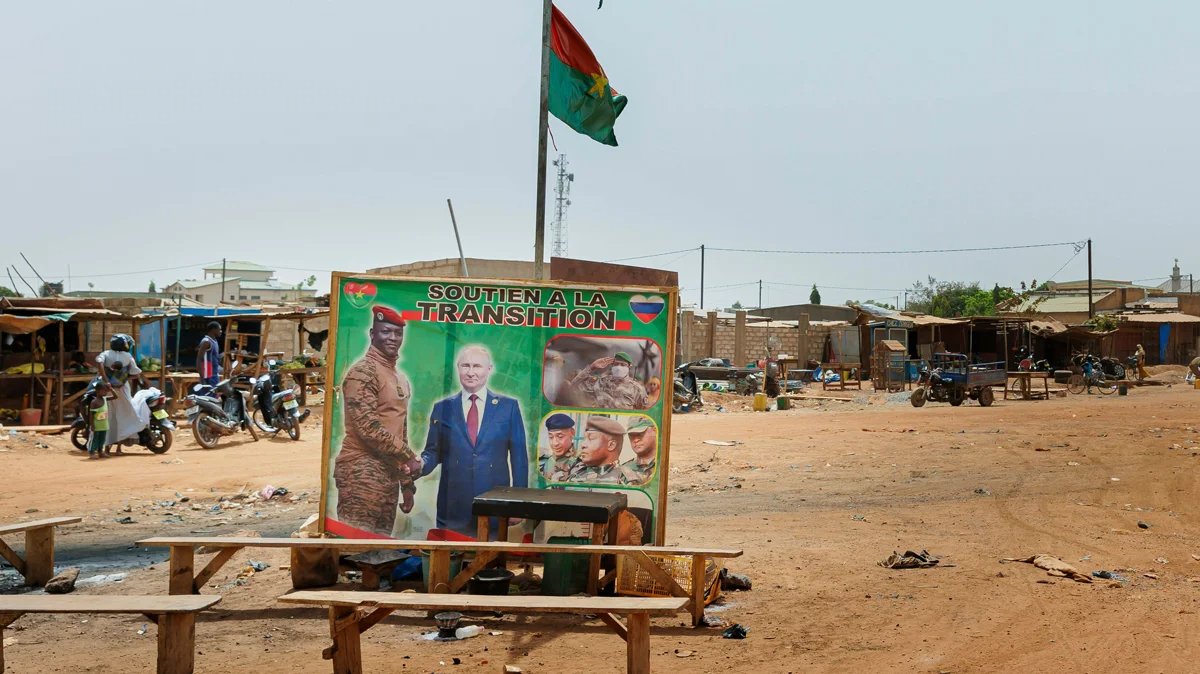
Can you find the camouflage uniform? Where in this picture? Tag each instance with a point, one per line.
(368, 470)
(555, 469)
(641, 473)
(609, 473)
(609, 392)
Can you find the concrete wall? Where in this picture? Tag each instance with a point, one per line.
(710, 337)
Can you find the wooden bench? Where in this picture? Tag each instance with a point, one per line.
(175, 617)
(315, 564)
(37, 567)
(352, 613)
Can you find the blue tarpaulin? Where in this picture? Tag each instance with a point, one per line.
(1164, 339)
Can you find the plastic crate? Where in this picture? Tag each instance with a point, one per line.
(633, 580)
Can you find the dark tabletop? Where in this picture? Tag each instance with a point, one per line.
(555, 505)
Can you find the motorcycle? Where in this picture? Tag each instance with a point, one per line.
(218, 411)
(149, 403)
(275, 407)
(686, 395)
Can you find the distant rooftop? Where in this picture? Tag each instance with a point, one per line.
(238, 265)
(192, 283)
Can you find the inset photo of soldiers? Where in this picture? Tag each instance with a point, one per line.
(602, 449)
(602, 373)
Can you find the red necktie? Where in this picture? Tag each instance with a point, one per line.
(473, 420)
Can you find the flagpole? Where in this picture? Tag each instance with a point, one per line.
(539, 245)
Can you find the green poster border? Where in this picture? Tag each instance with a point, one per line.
(668, 347)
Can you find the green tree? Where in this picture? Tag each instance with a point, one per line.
(310, 281)
(152, 289)
(5, 291)
(951, 299)
(815, 296)
(737, 306)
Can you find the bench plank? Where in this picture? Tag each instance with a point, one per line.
(108, 603)
(479, 602)
(36, 524)
(363, 544)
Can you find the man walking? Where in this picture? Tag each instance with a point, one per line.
(556, 466)
(643, 438)
(375, 461)
(477, 436)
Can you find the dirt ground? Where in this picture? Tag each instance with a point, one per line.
(816, 496)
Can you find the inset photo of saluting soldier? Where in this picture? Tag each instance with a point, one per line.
(601, 373)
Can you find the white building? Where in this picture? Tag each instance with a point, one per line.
(245, 282)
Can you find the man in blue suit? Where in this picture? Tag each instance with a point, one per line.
(478, 438)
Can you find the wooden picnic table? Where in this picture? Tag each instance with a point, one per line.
(314, 560)
(347, 620)
(1025, 380)
(175, 617)
(37, 566)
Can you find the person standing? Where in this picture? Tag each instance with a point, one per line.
(1194, 367)
(117, 366)
(98, 419)
(375, 462)
(208, 355)
(643, 438)
(1140, 355)
(477, 436)
(556, 466)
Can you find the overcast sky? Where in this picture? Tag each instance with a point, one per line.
(319, 135)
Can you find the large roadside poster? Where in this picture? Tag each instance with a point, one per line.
(441, 389)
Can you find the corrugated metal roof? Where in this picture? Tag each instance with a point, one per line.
(1173, 317)
(1060, 303)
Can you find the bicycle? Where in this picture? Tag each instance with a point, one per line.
(1078, 383)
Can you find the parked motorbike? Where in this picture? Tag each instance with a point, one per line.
(687, 390)
(221, 410)
(275, 407)
(149, 403)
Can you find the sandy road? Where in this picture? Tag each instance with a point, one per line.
(815, 496)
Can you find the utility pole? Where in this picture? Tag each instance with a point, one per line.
(1091, 304)
(222, 282)
(760, 294)
(562, 199)
(539, 240)
(702, 276)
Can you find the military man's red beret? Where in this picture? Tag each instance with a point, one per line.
(387, 315)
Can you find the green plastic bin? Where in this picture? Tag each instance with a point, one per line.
(564, 574)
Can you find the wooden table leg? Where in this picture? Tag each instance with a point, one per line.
(176, 643)
(698, 588)
(39, 556)
(481, 529)
(183, 576)
(599, 534)
(439, 571)
(637, 644)
(347, 644)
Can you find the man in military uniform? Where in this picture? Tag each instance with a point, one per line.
(643, 438)
(556, 466)
(607, 382)
(375, 461)
(599, 452)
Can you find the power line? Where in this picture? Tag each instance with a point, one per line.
(1077, 244)
(644, 257)
(821, 285)
(132, 273)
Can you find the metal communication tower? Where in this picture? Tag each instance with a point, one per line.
(562, 199)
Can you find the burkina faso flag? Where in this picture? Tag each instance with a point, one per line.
(580, 94)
